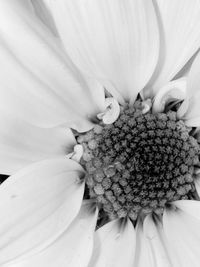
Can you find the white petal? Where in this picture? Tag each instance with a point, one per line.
(115, 41)
(183, 237)
(72, 249)
(150, 245)
(112, 111)
(37, 80)
(44, 14)
(193, 122)
(114, 245)
(22, 143)
(141, 253)
(76, 154)
(191, 113)
(197, 185)
(147, 105)
(192, 207)
(180, 37)
(175, 90)
(154, 234)
(37, 205)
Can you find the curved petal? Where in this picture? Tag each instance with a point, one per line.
(73, 248)
(114, 245)
(190, 109)
(115, 41)
(182, 235)
(112, 111)
(22, 143)
(37, 79)
(174, 90)
(37, 205)
(151, 245)
(180, 37)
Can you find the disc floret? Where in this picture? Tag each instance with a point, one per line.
(139, 163)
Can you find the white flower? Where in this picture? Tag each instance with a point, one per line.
(75, 64)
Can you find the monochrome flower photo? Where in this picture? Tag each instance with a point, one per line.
(100, 133)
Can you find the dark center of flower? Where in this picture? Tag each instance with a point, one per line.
(139, 163)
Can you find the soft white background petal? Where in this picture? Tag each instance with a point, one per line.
(37, 79)
(151, 250)
(37, 205)
(22, 143)
(115, 41)
(73, 248)
(114, 245)
(191, 112)
(179, 23)
(181, 228)
(44, 14)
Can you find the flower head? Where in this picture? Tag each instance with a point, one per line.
(100, 133)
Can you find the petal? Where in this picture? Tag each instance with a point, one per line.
(115, 41)
(175, 90)
(73, 248)
(37, 79)
(22, 143)
(183, 237)
(141, 253)
(154, 234)
(197, 185)
(151, 247)
(44, 14)
(191, 207)
(114, 245)
(37, 205)
(180, 37)
(77, 153)
(112, 111)
(190, 111)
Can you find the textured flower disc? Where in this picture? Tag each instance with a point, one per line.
(139, 163)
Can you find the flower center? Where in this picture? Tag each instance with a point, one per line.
(139, 163)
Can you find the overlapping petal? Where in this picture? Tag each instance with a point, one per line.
(141, 253)
(181, 228)
(197, 185)
(190, 110)
(37, 205)
(191, 207)
(22, 143)
(151, 250)
(44, 14)
(73, 248)
(114, 245)
(180, 37)
(115, 41)
(38, 82)
(172, 91)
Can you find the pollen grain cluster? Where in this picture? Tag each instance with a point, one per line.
(139, 163)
